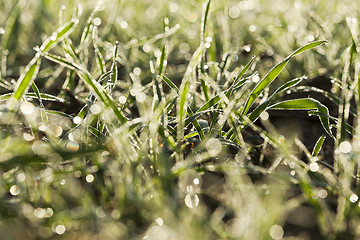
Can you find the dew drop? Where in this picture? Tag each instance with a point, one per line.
(252, 28)
(354, 198)
(196, 181)
(89, 178)
(95, 109)
(159, 221)
(184, 48)
(97, 21)
(255, 78)
(147, 47)
(173, 7)
(124, 24)
(264, 116)
(213, 146)
(247, 48)
(345, 147)
(276, 232)
(60, 229)
(122, 99)
(322, 193)
(14, 190)
(28, 136)
(27, 108)
(58, 131)
(21, 177)
(234, 12)
(314, 167)
(72, 146)
(77, 120)
(192, 200)
(39, 212)
(137, 71)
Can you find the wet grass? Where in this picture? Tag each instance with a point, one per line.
(156, 120)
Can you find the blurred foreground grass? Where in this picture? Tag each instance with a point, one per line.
(153, 120)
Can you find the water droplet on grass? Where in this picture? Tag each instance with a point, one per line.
(252, 28)
(213, 146)
(123, 24)
(314, 167)
(28, 136)
(234, 12)
(122, 99)
(72, 146)
(276, 232)
(159, 221)
(95, 109)
(27, 108)
(60, 229)
(322, 193)
(77, 120)
(97, 21)
(192, 200)
(345, 147)
(354, 198)
(89, 178)
(173, 7)
(14, 190)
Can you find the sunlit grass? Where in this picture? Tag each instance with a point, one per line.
(154, 120)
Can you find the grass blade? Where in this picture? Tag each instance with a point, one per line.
(170, 84)
(306, 104)
(27, 77)
(273, 73)
(60, 34)
(318, 146)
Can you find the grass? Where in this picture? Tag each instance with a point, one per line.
(156, 120)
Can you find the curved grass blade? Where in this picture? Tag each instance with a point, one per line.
(254, 115)
(273, 73)
(318, 146)
(306, 104)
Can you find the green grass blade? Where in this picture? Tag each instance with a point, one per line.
(318, 146)
(205, 19)
(60, 34)
(254, 115)
(306, 104)
(114, 69)
(209, 103)
(103, 96)
(27, 77)
(170, 84)
(273, 73)
(99, 57)
(244, 70)
(162, 60)
(61, 60)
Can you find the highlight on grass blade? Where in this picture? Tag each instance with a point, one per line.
(306, 104)
(273, 73)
